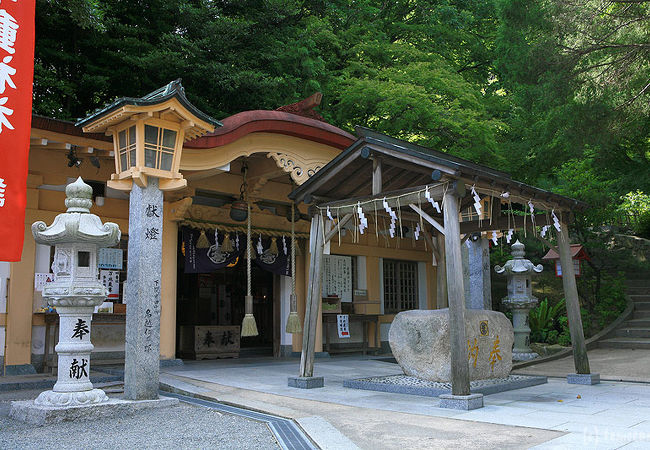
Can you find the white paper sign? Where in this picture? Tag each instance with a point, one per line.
(337, 277)
(343, 325)
(111, 281)
(110, 258)
(40, 279)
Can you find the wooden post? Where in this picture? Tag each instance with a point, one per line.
(312, 303)
(456, 295)
(580, 358)
(441, 273)
(376, 176)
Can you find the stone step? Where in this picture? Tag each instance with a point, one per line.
(639, 314)
(640, 297)
(621, 342)
(633, 332)
(638, 323)
(642, 306)
(638, 290)
(641, 282)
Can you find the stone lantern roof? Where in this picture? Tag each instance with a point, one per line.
(518, 265)
(77, 225)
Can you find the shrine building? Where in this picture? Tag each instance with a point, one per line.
(254, 158)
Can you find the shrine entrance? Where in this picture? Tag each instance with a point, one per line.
(210, 309)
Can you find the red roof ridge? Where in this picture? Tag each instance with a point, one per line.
(256, 121)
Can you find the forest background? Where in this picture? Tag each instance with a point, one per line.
(556, 92)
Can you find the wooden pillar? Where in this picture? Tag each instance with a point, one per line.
(312, 305)
(441, 273)
(168, 286)
(580, 358)
(376, 176)
(456, 296)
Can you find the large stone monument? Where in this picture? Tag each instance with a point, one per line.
(76, 235)
(420, 343)
(520, 299)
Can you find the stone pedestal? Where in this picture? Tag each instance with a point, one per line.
(463, 402)
(142, 351)
(521, 350)
(583, 378)
(306, 382)
(73, 386)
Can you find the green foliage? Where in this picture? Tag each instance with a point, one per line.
(553, 92)
(543, 321)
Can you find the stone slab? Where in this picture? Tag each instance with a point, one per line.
(462, 402)
(306, 382)
(583, 378)
(404, 384)
(19, 369)
(520, 356)
(28, 411)
(47, 382)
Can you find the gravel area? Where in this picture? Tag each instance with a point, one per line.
(183, 426)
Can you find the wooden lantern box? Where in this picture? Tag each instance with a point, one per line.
(209, 341)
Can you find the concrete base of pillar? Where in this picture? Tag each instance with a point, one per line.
(28, 411)
(583, 378)
(306, 382)
(464, 402)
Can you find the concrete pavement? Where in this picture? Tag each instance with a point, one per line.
(611, 364)
(554, 415)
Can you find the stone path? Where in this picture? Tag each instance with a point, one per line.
(554, 415)
(611, 364)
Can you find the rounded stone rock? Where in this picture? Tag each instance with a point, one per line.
(419, 340)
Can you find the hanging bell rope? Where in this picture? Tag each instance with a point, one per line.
(248, 325)
(293, 322)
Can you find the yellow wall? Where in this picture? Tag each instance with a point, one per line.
(48, 165)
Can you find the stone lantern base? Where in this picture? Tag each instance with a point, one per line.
(39, 414)
(66, 399)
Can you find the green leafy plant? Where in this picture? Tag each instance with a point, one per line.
(543, 317)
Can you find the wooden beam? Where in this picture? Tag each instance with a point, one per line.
(580, 359)
(456, 293)
(406, 196)
(428, 218)
(548, 244)
(516, 222)
(434, 249)
(313, 300)
(376, 176)
(331, 233)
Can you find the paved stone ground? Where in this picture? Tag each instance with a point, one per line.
(553, 415)
(612, 364)
(183, 426)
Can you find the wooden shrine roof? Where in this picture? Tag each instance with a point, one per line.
(406, 165)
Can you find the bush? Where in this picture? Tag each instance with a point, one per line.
(643, 226)
(543, 321)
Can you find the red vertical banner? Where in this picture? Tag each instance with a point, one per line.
(16, 79)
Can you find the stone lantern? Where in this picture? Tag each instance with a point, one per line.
(76, 236)
(148, 136)
(520, 299)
